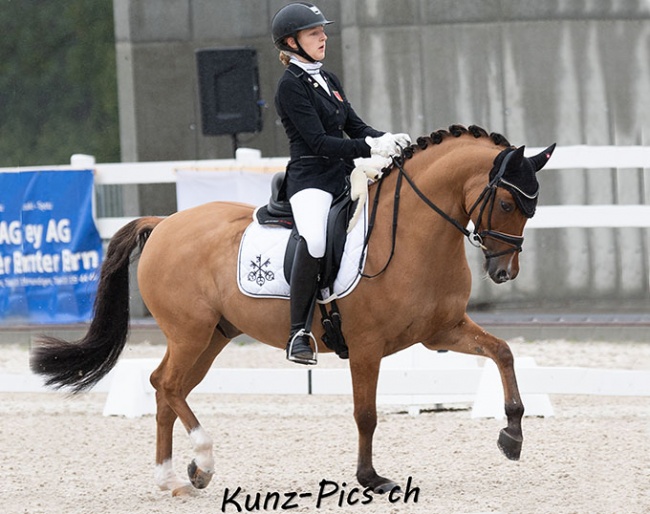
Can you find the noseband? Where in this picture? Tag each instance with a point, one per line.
(485, 201)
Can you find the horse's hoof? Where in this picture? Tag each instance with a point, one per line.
(509, 445)
(386, 487)
(199, 478)
(184, 490)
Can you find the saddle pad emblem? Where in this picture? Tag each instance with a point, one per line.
(260, 272)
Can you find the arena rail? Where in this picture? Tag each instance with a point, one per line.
(578, 157)
(435, 380)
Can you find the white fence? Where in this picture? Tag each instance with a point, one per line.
(556, 216)
(586, 216)
(413, 379)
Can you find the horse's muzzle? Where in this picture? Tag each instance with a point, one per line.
(503, 268)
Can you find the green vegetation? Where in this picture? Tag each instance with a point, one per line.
(58, 88)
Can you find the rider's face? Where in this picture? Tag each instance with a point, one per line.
(313, 42)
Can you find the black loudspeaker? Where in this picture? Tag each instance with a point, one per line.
(229, 91)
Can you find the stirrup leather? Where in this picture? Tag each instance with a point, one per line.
(290, 357)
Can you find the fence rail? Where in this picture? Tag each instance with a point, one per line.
(579, 157)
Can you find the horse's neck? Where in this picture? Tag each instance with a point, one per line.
(448, 175)
(444, 174)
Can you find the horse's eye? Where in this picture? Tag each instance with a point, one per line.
(507, 207)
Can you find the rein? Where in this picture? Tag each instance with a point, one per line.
(371, 225)
(475, 237)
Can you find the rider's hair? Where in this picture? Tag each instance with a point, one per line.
(284, 57)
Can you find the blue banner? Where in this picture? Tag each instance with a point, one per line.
(50, 250)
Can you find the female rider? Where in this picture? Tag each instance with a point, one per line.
(315, 114)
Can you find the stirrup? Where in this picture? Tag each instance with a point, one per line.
(299, 360)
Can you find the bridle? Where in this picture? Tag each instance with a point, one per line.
(485, 199)
(484, 202)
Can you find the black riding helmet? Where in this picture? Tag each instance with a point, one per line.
(293, 18)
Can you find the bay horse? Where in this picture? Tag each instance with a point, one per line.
(415, 289)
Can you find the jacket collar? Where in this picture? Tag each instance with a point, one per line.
(298, 72)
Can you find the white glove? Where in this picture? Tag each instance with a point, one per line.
(402, 140)
(384, 146)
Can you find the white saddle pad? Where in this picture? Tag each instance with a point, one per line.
(260, 267)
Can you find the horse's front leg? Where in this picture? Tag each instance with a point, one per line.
(468, 337)
(365, 373)
(510, 438)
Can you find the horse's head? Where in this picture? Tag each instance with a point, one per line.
(498, 210)
(501, 210)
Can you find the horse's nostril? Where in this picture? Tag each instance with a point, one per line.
(502, 276)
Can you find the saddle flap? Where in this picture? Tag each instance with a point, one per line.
(337, 225)
(337, 222)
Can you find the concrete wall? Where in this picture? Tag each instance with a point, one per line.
(156, 41)
(565, 71)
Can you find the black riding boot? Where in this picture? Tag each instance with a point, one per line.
(304, 283)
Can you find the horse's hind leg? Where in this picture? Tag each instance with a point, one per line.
(178, 373)
(468, 337)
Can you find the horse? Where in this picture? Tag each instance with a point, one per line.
(415, 288)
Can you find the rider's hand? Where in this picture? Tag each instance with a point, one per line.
(385, 146)
(403, 140)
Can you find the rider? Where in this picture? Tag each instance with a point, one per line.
(315, 114)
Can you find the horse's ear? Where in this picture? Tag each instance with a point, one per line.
(539, 161)
(517, 158)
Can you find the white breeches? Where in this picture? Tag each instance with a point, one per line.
(310, 210)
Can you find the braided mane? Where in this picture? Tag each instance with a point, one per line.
(437, 137)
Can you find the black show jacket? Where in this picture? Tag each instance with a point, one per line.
(315, 123)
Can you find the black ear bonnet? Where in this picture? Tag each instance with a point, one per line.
(518, 175)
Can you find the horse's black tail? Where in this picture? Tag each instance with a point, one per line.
(81, 364)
